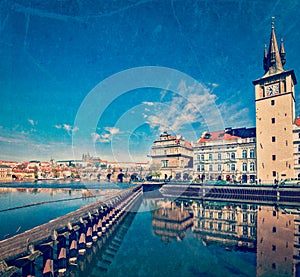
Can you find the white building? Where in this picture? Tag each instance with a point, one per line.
(226, 155)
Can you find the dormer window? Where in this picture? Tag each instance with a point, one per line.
(207, 136)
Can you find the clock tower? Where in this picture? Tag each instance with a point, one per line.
(275, 115)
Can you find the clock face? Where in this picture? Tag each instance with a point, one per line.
(272, 89)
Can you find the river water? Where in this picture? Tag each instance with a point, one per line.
(168, 237)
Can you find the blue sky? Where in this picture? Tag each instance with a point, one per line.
(56, 54)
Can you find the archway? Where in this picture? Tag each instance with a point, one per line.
(120, 177)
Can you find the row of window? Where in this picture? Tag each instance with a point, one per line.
(230, 216)
(230, 167)
(231, 155)
(227, 227)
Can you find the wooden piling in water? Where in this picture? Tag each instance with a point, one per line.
(64, 237)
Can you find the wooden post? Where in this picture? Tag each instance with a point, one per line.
(94, 226)
(47, 249)
(28, 269)
(72, 246)
(89, 229)
(61, 254)
(81, 236)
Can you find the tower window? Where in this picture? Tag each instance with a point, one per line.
(274, 173)
(273, 157)
(272, 102)
(274, 229)
(273, 120)
(273, 139)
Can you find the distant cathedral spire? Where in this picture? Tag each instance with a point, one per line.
(274, 59)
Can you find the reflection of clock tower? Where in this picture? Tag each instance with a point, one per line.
(275, 114)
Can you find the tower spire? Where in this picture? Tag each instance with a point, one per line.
(282, 52)
(273, 60)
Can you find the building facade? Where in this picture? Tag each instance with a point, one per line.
(172, 157)
(5, 173)
(275, 115)
(226, 155)
(296, 139)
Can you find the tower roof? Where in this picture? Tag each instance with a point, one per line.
(273, 58)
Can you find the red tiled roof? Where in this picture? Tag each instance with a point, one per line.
(297, 121)
(188, 145)
(219, 135)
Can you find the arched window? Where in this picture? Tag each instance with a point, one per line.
(252, 166)
(198, 168)
(232, 167)
(233, 156)
(244, 167)
(252, 153)
(244, 154)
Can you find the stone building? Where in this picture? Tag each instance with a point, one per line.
(296, 140)
(172, 157)
(5, 173)
(226, 155)
(275, 115)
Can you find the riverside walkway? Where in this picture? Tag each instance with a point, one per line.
(257, 194)
(60, 241)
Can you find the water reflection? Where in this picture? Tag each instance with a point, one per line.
(273, 233)
(171, 221)
(196, 238)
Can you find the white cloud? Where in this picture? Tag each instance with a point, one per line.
(31, 121)
(148, 103)
(195, 104)
(70, 129)
(234, 115)
(95, 137)
(75, 129)
(67, 127)
(112, 130)
(105, 137)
